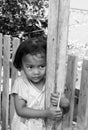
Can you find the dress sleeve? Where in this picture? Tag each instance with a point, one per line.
(20, 88)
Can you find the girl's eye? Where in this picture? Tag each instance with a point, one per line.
(42, 66)
(29, 67)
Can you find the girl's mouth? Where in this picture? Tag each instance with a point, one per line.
(35, 78)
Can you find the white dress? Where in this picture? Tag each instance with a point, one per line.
(35, 99)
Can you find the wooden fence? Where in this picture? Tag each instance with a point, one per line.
(8, 73)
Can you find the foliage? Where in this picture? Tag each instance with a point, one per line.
(22, 18)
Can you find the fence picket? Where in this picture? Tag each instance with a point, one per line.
(15, 43)
(70, 87)
(0, 69)
(82, 119)
(5, 100)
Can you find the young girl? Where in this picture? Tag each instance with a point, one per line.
(29, 88)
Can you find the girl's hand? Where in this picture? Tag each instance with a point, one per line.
(54, 99)
(64, 102)
(54, 114)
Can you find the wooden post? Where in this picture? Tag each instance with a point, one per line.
(56, 49)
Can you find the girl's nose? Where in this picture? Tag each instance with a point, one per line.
(36, 71)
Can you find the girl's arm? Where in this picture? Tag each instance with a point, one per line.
(25, 112)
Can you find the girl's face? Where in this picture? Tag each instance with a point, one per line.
(34, 67)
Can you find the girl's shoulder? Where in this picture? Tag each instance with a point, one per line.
(19, 81)
(20, 88)
(22, 82)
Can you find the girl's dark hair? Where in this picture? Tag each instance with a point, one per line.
(31, 46)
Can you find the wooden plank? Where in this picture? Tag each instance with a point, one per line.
(0, 69)
(82, 118)
(5, 100)
(15, 43)
(56, 49)
(51, 54)
(62, 41)
(70, 89)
